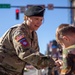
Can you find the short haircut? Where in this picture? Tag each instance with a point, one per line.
(60, 27)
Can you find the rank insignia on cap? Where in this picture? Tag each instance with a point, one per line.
(24, 42)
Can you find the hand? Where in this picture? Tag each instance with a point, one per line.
(59, 63)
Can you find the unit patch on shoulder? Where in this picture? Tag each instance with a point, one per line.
(22, 40)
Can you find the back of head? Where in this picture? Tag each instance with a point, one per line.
(69, 30)
(35, 11)
(61, 26)
(65, 30)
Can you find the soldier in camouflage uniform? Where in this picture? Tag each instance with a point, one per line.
(19, 45)
(65, 35)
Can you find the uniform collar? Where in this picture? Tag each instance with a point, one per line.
(72, 46)
(31, 35)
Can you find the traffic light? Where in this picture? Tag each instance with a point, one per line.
(17, 14)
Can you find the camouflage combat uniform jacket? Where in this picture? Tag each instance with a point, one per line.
(18, 46)
(68, 61)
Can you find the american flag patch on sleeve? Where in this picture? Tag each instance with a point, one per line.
(22, 40)
(19, 37)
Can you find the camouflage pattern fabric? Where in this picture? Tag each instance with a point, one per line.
(40, 62)
(19, 46)
(68, 61)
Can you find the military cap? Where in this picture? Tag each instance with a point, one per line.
(35, 11)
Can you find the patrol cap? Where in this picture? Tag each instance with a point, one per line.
(35, 11)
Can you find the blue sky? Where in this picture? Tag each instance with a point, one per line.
(52, 19)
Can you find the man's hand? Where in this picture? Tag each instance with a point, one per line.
(59, 63)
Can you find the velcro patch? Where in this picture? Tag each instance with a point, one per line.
(24, 42)
(19, 37)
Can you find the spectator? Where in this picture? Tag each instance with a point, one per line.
(65, 36)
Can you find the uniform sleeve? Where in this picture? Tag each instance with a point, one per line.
(22, 45)
(40, 61)
(27, 54)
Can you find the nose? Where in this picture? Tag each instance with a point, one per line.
(39, 23)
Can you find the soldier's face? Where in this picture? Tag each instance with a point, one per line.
(34, 22)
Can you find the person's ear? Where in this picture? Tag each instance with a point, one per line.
(66, 38)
